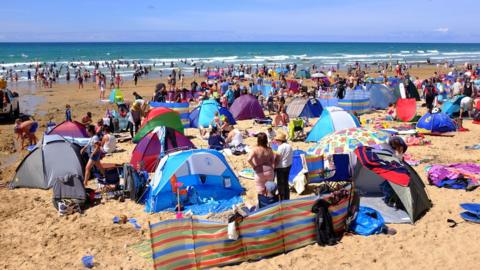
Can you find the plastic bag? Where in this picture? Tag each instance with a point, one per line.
(367, 222)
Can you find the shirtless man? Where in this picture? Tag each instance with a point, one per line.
(26, 130)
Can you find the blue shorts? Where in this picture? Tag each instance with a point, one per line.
(33, 127)
(95, 157)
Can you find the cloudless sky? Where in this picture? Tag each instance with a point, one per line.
(240, 20)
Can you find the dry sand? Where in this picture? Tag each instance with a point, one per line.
(34, 236)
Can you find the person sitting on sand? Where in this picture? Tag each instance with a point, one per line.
(226, 127)
(391, 113)
(87, 119)
(271, 133)
(94, 151)
(270, 196)
(216, 122)
(26, 130)
(234, 138)
(215, 141)
(397, 146)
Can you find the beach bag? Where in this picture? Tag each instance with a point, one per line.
(68, 207)
(367, 222)
(325, 234)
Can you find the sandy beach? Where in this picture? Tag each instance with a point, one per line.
(34, 236)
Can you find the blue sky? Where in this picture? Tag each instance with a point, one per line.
(241, 20)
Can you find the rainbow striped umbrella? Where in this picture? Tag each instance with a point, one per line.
(347, 140)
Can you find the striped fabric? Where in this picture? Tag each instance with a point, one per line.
(200, 244)
(316, 167)
(181, 108)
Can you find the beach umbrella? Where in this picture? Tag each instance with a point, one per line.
(318, 75)
(347, 140)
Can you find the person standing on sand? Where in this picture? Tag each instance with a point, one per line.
(80, 82)
(262, 160)
(94, 151)
(283, 162)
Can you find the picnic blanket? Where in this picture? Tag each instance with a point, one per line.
(455, 176)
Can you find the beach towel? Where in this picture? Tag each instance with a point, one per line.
(455, 176)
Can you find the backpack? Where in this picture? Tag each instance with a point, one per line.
(324, 224)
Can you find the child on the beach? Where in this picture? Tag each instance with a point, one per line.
(68, 113)
(391, 114)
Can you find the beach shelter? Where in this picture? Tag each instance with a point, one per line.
(202, 116)
(304, 107)
(375, 167)
(438, 122)
(380, 96)
(204, 173)
(347, 140)
(452, 106)
(355, 101)
(72, 129)
(53, 157)
(303, 74)
(116, 96)
(159, 117)
(332, 119)
(246, 107)
(406, 109)
(157, 143)
(181, 108)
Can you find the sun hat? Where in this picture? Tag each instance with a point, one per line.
(282, 137)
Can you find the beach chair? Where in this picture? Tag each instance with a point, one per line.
(317, 171)
(296, 129)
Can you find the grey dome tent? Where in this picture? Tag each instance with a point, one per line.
(52, 158)
(374, 168)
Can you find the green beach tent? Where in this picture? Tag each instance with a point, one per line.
(160, 116)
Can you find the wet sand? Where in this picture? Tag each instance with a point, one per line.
(34, 236)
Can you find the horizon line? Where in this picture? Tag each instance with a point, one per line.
(293, 42)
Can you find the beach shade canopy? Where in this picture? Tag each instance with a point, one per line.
(116, 96)
(332, 119)
(406, 109)
(157, 143)
(380, 96)
(451, 107)
(355, 101)
(204, 173)
(347, 140)
(53, 157)
(202, 116)
(72, 129)
(304, 107)
(438, 122)
(246, 107)
(156, 118)
(375, 167)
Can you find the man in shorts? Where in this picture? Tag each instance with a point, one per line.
(26, 130)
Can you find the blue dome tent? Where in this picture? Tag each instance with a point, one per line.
(202, 116)
(380, 96)
(204, 173)
(452, 106)
(332, 119)
(436, 123)
(304, 107)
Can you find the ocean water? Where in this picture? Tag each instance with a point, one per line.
(23, 56)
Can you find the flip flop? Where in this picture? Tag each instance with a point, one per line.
(473, 208)
(470, 217)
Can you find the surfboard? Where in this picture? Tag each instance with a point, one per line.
(403, 92)
(247, 173)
